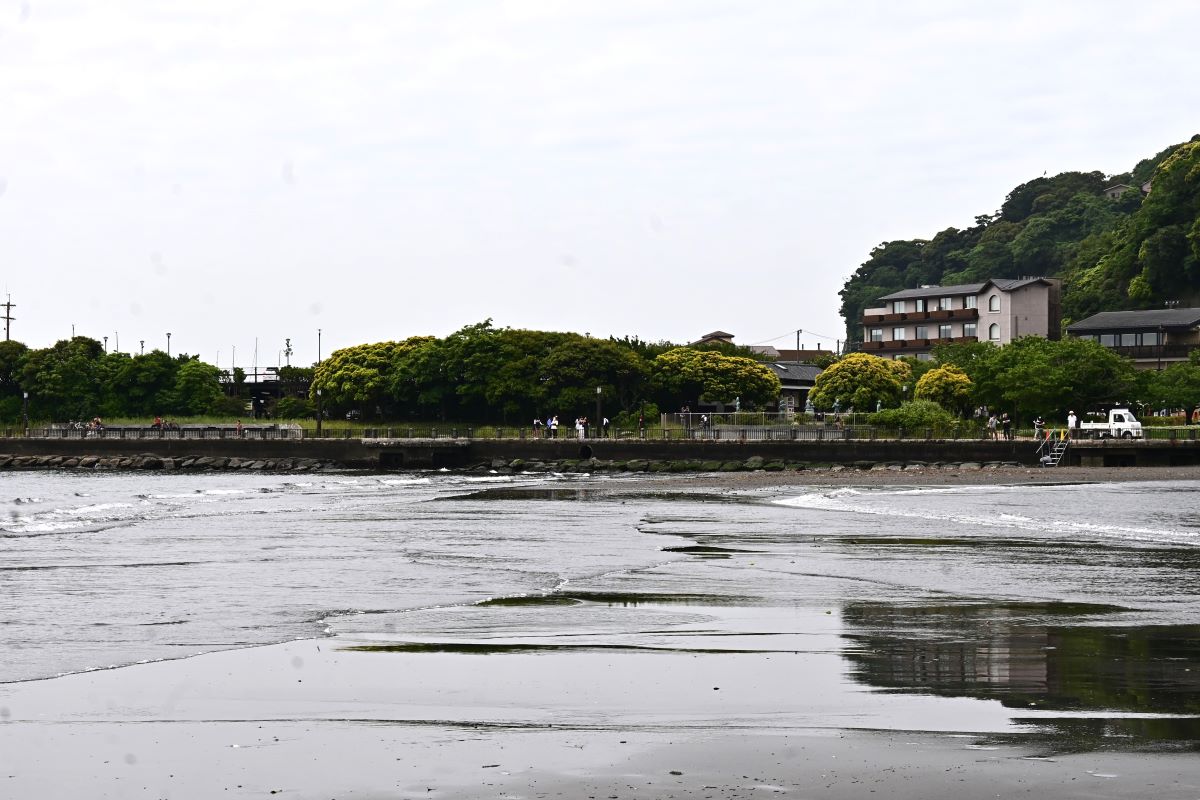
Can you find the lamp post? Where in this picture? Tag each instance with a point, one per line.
(318, 345)
(106, 344)
(168, 344)
(142, 347)
(599, 426)
(319, 413)
(25, 411)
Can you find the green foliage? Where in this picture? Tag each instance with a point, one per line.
(63, 381)
(947, 386)
(859, 381)
(197, 388)
(914, 415)
(1177, 386)
(293, 408)
(691, 374)
(1036, 376)
(1132, 252)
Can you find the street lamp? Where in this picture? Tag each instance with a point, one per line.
(318, 413)
(318, 345)
(25, 411)
(168, 344)
(599, 426)
(105, 344)
(142, 347)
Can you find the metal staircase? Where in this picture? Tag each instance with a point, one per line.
(1053, 449)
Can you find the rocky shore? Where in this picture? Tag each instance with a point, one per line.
(149, 461)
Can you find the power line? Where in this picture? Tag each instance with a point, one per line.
(793, 333)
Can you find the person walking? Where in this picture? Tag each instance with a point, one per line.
(604, 428)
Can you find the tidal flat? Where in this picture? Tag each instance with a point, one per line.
(442, 635)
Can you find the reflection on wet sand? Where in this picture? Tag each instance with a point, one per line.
(1044, 656)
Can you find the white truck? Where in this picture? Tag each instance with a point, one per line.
(1121, 424)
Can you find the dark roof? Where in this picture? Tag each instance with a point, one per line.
(716, 335)
(1003, 284)
(1138, 320)
(795, 372)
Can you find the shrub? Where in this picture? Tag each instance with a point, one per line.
(913, 415)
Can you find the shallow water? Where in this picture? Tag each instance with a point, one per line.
(1074, 607)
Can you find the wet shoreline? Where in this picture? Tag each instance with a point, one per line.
(739, 647)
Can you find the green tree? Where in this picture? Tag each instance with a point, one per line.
(197, 387)
(1177, 386)
(859, 381)
(1036, 376)
(63, 381)
(948, 386)
(12, 356)
(686, 375)
(356, 377)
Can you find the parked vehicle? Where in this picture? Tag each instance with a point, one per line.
(1121, 424)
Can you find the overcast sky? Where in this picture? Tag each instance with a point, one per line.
(231, 171)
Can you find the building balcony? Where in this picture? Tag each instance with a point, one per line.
(967, 314)
(914, 345)
(1152, 352)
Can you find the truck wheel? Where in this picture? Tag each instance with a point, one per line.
(1127, 435)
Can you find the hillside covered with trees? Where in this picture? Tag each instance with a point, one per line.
(1136, 250)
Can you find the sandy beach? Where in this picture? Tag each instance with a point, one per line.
(610, 693)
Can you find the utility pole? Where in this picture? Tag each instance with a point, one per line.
(8, 317)
(318, 345)
(287, 351)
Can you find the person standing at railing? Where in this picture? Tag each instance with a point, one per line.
(1072, 424)
(1039, 427)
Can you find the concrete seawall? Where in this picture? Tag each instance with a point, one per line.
(458, 453)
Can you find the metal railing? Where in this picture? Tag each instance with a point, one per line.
(258, 432)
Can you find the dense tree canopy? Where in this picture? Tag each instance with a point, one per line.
(691, 375)
(1130, 251)
(861, 382)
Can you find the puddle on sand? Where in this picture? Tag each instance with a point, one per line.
(612, 494)
(486, 648)
(621, 599)
(1039, 656)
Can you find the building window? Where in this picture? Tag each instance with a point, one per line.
(944, 332)
(1129, 340)
(969, 329)
(946, 304)
(970, 301)
(1150, 339)
(994, 332)
(919, 304)
(922, 332)
(1108, 339)
(924, 357)
(994, 303)
(876, 334)
(899, 307)
(897, 334)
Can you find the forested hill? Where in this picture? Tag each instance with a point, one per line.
(1135, 251)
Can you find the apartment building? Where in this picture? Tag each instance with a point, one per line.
(913, 321)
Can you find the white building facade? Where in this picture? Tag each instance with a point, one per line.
(914, 321)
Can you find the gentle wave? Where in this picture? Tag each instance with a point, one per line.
(843, 501)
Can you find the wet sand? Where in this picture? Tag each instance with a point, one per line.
(709, 702)
(315, 719)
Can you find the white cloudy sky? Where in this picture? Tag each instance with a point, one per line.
(229, 171)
